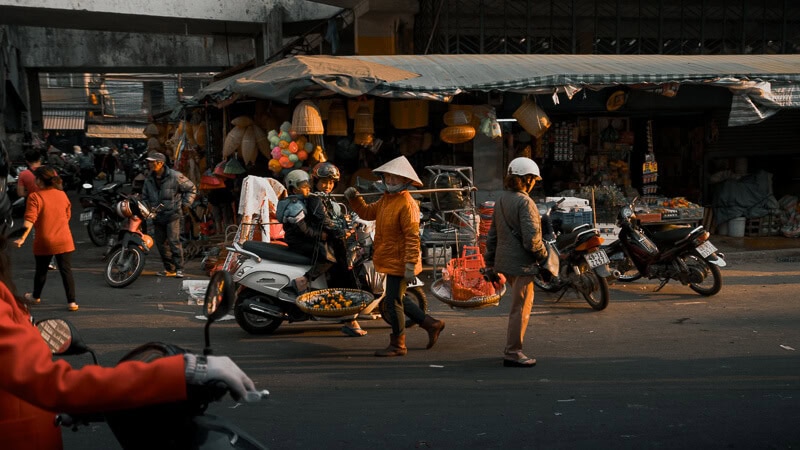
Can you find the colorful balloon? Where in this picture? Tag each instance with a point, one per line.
(293, 147)
(302, 155)
(274, 165)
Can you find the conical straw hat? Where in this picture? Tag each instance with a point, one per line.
(400, 166)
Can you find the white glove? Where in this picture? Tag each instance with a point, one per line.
(220, 368)
(350, 193)
(410, 275)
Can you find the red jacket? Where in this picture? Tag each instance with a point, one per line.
(34, 387)
(396, 243)
(49, 210)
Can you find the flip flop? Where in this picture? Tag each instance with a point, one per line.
(521, 362)
(353, 332)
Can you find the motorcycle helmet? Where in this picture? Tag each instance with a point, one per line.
(123, 209)
(325, 170)
(295, 178)
(524, 166)
(128, 208)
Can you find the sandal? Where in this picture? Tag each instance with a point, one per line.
(353, 332)
(72, 306)
(521, 362)
(29, 298)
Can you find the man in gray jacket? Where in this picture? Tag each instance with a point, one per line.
(175, 193)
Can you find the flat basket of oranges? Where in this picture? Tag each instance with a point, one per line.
(334, 302)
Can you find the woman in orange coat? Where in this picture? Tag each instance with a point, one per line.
(33, 387)
(396, 248)
(49, 210)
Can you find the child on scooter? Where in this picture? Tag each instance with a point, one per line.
(314, 227)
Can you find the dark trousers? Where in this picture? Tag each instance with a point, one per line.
(64, 263)
(402, 306)
(168, 241)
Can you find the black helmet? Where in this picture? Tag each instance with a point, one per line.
(325, 170)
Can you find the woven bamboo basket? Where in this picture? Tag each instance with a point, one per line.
(441, 289)
(200, 134)
(532, 118)
(306, 119)
(232, 142)
(408, 114)
(242, 121)
(364, 122)
(354, 105)
(337, 119)
(363, 139)
(151, 130)
(249, 148)
(332, 302)
(262, 141)
(457, 117)
(457, 134)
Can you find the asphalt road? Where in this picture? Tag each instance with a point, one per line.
(667, 369)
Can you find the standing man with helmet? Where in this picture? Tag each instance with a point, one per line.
(176, 193)
(514, 248)
(396, 249)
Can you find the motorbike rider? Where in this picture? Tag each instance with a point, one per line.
(514, 248)
(176, 193)
(26, 181)
(325, 213)
(397, 248)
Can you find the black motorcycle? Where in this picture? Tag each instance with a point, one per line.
(666, 252)
(168, 425)
(101, 220)
(576, 260)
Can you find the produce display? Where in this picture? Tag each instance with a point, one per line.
(334, 302)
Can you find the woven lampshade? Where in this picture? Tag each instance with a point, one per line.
(306, 119)
(363, 139)
(363, 121)
(532, 118)
(337, 119)
(457, 134)
(457, 117)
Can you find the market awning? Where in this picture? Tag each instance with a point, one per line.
(116, 131)
(63, 119)
(304, 76)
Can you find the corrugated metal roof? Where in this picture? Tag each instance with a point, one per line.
(115, 131)
(64, 119)
(448, 75)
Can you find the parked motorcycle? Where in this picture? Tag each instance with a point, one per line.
(99, 216)
(581, 264)
(168, 425)
(670, 252)
(263, 272)
(126, 254)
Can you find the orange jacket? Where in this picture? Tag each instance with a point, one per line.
(34, 387)
(49, 210)
(396, 243)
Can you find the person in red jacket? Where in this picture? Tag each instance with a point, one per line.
(49, 210)
(396, 249)
(34, 387)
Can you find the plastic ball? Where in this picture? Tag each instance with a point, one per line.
(283, 144)
(308, 146)
(286, 126)
(276, 152)
(273, 141)
(274, 165)
(302, 155)
(293, 147)
(293, 158)
(285, 163)
(285, 136)
(293, 134)
(272, 133)
(298, 164)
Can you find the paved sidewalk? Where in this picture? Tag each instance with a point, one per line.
(748, 249)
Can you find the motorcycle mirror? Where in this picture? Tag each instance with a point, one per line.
(87, 186)
(62, 338)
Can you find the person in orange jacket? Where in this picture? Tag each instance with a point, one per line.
(34, 387)
(396, 248)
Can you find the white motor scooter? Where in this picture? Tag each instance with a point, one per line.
(265, 297)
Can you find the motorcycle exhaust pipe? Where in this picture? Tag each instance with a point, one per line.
(260, 309)
(616, 274)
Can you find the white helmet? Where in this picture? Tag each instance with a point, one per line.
(295, 178)
(524, 166)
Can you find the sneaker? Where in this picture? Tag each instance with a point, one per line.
(166, 273)
(29, 298)
(178, 274)
(72, 306)
(52, 267)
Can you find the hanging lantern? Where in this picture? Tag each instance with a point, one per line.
(306, 119)
(457, 134)
(363, 121)
(532, 118)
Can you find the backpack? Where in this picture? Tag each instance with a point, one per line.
(291, 209)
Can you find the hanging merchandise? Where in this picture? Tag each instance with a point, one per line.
(364, 122)
(354, 105)
(249, 149)
(457, 134)
(408, 114)
(242, 121)
(262, 142)
(200, 135)
(234, 167)
(532, 118)
(306, 119)
(151, 130)
(457, 117)
(232, 142)
(337, 119)
(219, 170)
(210, 181)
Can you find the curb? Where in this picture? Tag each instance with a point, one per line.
(778, 255)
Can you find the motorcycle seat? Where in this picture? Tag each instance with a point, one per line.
(670, 236)
(276, 252)
(571, 238)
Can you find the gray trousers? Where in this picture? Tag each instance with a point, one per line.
(168, 241)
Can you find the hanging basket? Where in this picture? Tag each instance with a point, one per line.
(532, 118)
(337, 119)
(457, 117)
(334, 302)
(408, 114)
(249, 148)
(442, 291)
(457, 134)
(363, 139)
(242, 121)
(233, 140)
(306, 119)
(364, 122)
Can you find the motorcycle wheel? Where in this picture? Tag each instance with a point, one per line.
(97, 229)
(253, 323)
(597, 298)
(416, 295)
(124, 267)
(627, 270)
(712, 277)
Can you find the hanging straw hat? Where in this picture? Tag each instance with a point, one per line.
(401, 167)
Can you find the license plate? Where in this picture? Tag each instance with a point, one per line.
(597, 258)
(86, 216)
(706, 248)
